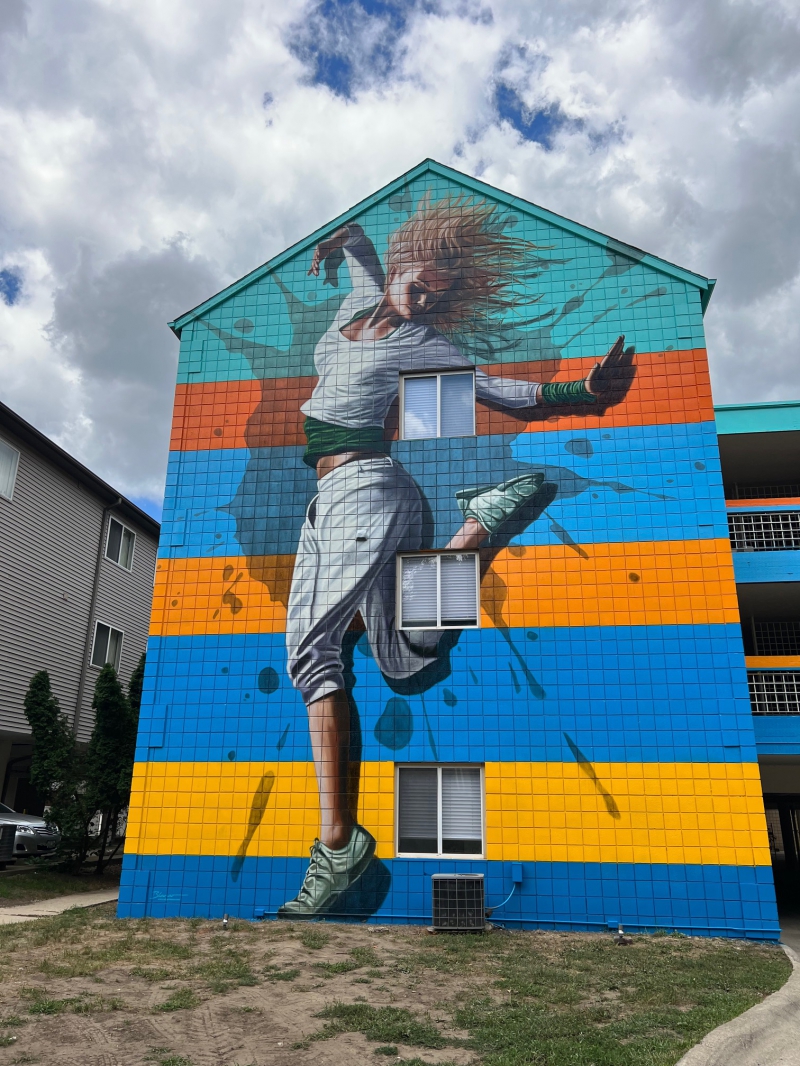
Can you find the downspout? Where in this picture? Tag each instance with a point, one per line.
(76, 719)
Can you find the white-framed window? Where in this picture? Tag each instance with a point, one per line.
(107, 645)
(437, 405)
(9, 464)
(119, 544)
(438, 590)
(440, 810)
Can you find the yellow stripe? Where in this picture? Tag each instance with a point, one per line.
(650, 583)
(773, 662)
(707, 813)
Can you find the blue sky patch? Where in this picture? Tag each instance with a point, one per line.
(540, 125)
(10, 286)
(346, 44)
(152, 507)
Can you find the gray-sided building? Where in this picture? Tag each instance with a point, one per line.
(77, 561)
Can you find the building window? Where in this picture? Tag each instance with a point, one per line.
(438, 591)
(439, 810)
(776, 638)
(9, 462)
(438, 405)
(774, 693)
(107, 646)
(119, 545)
(765, 531)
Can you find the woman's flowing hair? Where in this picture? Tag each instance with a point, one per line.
(465, 240)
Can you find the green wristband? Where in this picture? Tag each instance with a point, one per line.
(557, 393)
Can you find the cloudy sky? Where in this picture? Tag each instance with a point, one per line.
(152, 151)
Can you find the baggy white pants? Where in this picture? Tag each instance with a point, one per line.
(364, 514)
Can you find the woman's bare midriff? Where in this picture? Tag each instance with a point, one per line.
(331, 462)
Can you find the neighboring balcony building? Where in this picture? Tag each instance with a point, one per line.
(76, 582)
(760, 455)
(445, 587)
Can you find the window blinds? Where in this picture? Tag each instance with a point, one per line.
(418, 816)
(419, 408)
(419, 580)
(462, 821)
(457, 405)
(459, 592)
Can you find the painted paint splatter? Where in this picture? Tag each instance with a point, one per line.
(258, 806)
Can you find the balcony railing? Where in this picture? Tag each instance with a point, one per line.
(762, 492)
(774, 693)
(765, 531)
(775, 638)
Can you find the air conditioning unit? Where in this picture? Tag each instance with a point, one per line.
(458, 903)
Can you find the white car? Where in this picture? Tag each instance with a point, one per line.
(33, 835)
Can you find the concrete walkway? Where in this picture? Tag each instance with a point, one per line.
(767, 1034)
(46, 908)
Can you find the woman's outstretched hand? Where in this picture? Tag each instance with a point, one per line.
(324, 249)
(611, 378)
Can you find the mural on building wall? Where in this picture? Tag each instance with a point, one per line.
(284, 698)
(454, 280)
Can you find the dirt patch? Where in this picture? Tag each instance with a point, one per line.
(87, 989)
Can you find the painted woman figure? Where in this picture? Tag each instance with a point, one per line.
(450, 268)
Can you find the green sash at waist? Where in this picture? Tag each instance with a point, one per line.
(326, 439)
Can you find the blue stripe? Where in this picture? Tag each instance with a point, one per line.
(622, 694)
(736, 901)
(777, 734)
(633, 483)
(760, 567)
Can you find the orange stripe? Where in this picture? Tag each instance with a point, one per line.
(768, 502)
(670, 387)
(772, 662)
(650, 583)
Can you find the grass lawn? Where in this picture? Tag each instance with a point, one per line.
(44, 882)
(88, 989)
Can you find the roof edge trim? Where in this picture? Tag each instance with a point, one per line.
(34, 437)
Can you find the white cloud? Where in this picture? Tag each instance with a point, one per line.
(140, 169)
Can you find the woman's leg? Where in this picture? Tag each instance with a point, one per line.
(469, 537)
(329, 725)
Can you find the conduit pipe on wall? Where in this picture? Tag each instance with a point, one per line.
(76, 718)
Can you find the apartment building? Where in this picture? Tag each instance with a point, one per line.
(76, 579)
(445, 592)
(760, 452)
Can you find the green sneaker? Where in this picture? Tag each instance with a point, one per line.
(329, 874)
(494, 506)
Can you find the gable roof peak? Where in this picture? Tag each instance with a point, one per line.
(477, 187)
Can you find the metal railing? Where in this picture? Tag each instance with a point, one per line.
(774, 693)
(765, 531)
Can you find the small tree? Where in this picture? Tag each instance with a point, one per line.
(109, 760)
(135, 686)
(53, 742)
(57, 770)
